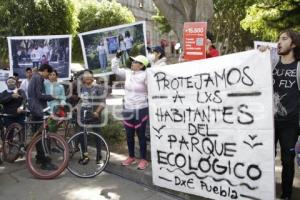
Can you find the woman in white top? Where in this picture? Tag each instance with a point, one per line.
(135, 111)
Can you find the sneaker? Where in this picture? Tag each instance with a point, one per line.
(128, 161)
(84, 160)
(48, 166)
(143, 164)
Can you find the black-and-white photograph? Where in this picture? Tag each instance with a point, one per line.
(4, 74)
(33, 51)
(100, 46)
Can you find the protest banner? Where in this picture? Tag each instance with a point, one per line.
(194, 39)
(33, 51)
(211, 125)
(273, 50)
(100, 46)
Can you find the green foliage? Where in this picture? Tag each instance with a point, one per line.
(267, 18)
(34, 17)
(95, 15)
(226, 25)
(161, 22)
(113, 132)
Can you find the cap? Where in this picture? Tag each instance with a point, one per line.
(142, 59)
(159, 49)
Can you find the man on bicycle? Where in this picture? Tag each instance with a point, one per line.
(90, 106)
(37, 100)
(13, 101)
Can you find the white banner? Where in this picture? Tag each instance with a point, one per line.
(211, 126)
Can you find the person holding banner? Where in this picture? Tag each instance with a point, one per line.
(135, 111)
(286, 84)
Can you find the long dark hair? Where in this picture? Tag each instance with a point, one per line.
(295, 37)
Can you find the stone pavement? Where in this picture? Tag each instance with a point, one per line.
(16, 183)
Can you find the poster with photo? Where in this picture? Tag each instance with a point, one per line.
(33, 51)
(4, 74)
(100, 46)
(273, 50)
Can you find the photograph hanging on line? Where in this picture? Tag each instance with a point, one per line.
(33, 51)
(99, 47)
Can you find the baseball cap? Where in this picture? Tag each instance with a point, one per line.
(141, 59)
(160, 50)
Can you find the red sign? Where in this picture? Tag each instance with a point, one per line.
(194, 38)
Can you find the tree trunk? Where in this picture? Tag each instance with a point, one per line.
(179, 11)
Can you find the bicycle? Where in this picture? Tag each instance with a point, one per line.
(53, 146)
(92, 145)
(3, 132)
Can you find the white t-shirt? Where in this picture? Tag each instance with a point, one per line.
(128, 42)
(35, 55)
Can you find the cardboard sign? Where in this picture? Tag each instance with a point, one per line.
(211, 124)
(194, 36)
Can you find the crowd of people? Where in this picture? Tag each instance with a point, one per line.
(41, 89)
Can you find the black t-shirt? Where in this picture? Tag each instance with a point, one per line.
(286, 93)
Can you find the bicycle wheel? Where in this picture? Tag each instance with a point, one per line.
(97, 153)
(57, 152)
(12, 142)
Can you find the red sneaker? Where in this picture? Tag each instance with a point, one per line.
(143, 164)
(128, 161)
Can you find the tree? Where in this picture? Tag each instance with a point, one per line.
(179, 11)
(267, 18)
(162, 22)
(34, 17)
(95, 15)
(226, 27)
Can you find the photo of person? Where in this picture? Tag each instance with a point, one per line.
(112, 43)
(33, 51)
(100, 46)
(102, 55)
